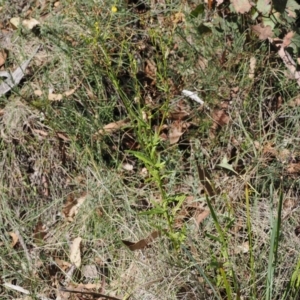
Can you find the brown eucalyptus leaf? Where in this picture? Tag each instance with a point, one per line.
(142, 243)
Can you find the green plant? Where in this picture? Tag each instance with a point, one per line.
(224, 268)
(169, 205)
(274, 245)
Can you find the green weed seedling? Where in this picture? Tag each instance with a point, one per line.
(156, 169)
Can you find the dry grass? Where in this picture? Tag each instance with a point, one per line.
(133, 65)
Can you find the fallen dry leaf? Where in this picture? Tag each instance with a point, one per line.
(15, 239)
(220, 118)
(90, 272)
(241, 6)
(72, 206)
(3, 57)
(150, 68)
(15, 22)
(63, 265)
(289, 204)
(59, 97)
(27, 23)
(75, 254)
(38, 93)
(293, 168)
(243, 248)
(288, 39)
(178, 18)
(30, 23)
(89, 286)
(291, 12)
(252, 67)
(63, 137)
(262, 32)
(40, 232)
(292, 103)
(142, 243)
(201, 216)
(112, 127)
(269, 151)
(201, 63)
(284, 155)
(175, 132)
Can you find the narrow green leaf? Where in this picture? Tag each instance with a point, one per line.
(199, 10)
(142, 157)
(153, 211)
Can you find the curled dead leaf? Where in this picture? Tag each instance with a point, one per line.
(142, 243)
(75, 209)
(112, 127)
(72, 206)
(15, 239)
(175, 132)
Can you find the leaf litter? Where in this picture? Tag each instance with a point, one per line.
(179, 122)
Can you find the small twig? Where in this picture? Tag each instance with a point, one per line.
(88, 293)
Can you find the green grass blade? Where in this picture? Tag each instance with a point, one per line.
(272, 262)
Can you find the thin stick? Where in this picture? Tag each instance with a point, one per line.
(88, 293)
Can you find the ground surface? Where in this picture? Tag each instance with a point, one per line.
(117, 181)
